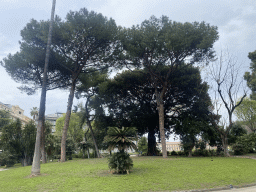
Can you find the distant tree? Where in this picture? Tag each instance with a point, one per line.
(4, 118)
(251, 77)
(19, 141)
(162, 42)
(75, 131)
(34, 112)
(143, 146)
(246, 112)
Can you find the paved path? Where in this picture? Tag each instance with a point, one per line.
(246, 189)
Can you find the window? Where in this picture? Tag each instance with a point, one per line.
(19, 112)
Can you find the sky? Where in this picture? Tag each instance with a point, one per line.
(235, 21)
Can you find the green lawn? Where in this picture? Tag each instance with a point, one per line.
(148, 174)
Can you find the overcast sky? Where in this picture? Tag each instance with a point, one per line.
(235, 21)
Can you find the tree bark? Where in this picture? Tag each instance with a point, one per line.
(93, 138)
(42, 146)
(161, 128)
(151, 143)
(224, 140)
(36, 159)
(66, 124)
(190, 150)
(90, 127)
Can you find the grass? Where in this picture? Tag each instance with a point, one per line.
(148, 174)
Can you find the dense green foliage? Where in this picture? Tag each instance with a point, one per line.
(121, 138)
(251, 77)
(143, 146)
(19, 141)
(245, 144)
(7, 159)
(162, 43)
(246, 112)
(4, 118)
(120, 162)
(75, 131)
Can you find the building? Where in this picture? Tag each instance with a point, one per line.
(170, 146)
(52, 118)
(176, 146)
(15, 112)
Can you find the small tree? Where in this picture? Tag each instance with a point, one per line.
(121, 139)
(143, 146)
(225, 73)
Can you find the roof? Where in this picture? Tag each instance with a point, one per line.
(7, 105)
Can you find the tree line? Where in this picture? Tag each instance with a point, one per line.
(158, 88)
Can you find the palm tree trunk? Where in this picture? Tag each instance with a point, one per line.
(42, 146)
(36, 159)
(66, 124)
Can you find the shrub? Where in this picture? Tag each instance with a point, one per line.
(174, 153)
(221, 154)
(244, 144)
(181, 153)
(239, 149)
(212, 152)
(120, 162)
(7, 159)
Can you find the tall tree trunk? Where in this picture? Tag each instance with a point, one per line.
(36, 159)
(90, 126)
(88, 153)
(93, 138)
(190, 150)
(161, 127)
(151, 142)
(66, 124)
(42, 146)
(224, 140)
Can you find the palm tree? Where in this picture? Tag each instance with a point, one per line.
(34, 112)
(35, 170)
(121, 138)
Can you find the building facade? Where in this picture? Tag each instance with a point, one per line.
(52, 118)
(176, 146)
(15, 112)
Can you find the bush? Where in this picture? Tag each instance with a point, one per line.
(244, 144)
(221, 154)
(212, 152)
(181, 153)
(174, 153)
(120, 162)
(7, 159)
(239, 149)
